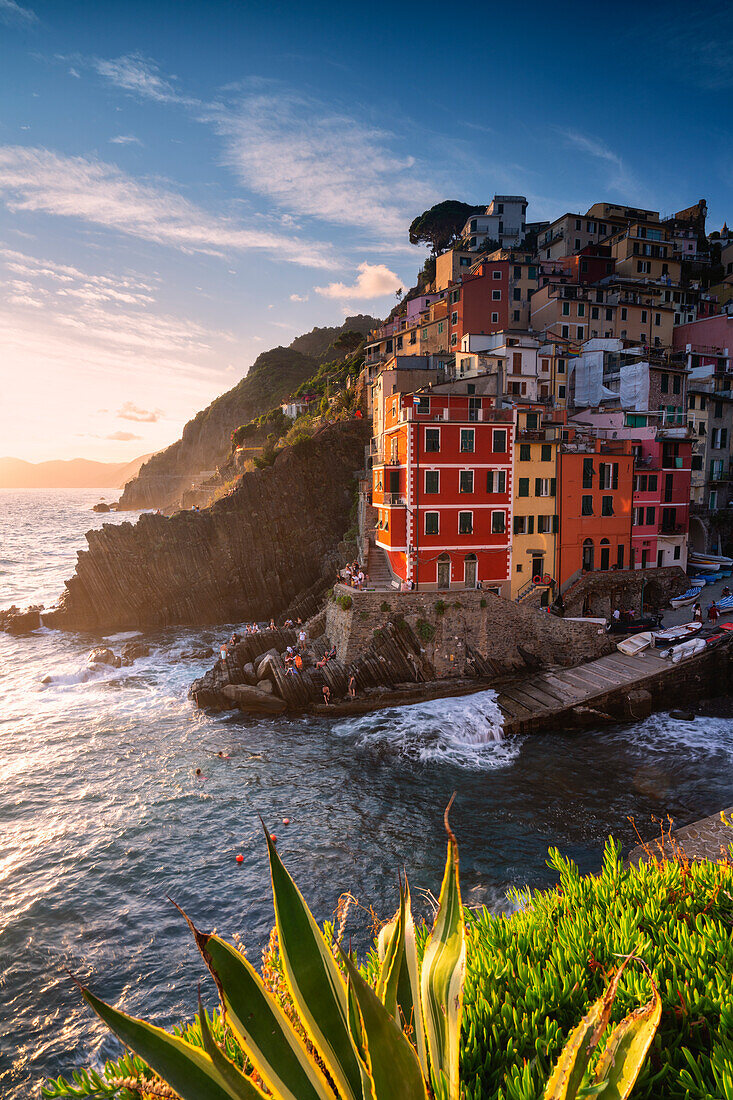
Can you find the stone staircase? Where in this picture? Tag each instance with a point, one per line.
(380, 575)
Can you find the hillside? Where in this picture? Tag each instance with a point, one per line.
(75, 473)
(205, 442)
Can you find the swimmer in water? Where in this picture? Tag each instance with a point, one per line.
(223, 755)
(199, 774)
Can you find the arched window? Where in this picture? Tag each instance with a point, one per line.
(588, 555)
(605, 554)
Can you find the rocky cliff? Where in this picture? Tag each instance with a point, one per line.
(205, 442)
(247, 557)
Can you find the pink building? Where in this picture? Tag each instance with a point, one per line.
(661, 502)
(709, 340)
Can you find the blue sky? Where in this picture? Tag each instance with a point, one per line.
(185, 185)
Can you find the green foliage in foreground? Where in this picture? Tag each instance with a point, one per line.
(531, 976)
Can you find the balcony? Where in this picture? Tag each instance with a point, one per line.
(394, 500)
(672, 528)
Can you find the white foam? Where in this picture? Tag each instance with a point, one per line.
(124, 636)
(465, 731)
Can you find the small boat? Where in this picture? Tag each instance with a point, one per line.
(706, 578)
(726, 604)
(635, 644)
(704, 566)
(673, 635)
(634, 626)
(690, 596)
(687, 649)
(721, 559)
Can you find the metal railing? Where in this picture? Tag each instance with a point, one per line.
(395, 500)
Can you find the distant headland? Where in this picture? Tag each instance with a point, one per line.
(75, 473)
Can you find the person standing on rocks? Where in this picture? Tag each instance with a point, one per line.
(352, 686)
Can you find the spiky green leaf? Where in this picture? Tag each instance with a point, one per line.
(238, 1084)
(626, 1048)
(443, 973)
(314, 980)
(394, 953)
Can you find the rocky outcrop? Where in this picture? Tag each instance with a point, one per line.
(249, 556)
(206, 440)
(15, 621)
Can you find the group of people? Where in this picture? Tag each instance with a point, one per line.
(254, 628)
(353, 575)
(352, 690)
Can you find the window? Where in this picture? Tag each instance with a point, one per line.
(696, 463)
(517, 272)
(609, 314)
(516, 315)
(499, 441)
(643, 316)
(432, 481)
(441, 327)
(566, 309)
(496, 295)
(544, 486)
(577, 223)
(431, 523)
(467, 440)
(495, 318)
(454, 317)
(606, 506)
(465, 523)
(546, 455)
(664, 383)
(455, 295)
(453, 340)
(581, 309)
(523, 487)
(517, 294)
(422, 405)
(657, 318)
(651, 515)
(624, 313)
(594, 313)
(713, 500)
(652, 483)
(520, 528)
(588, 475)
(525, 452)
(638, 514)
(545, 366)
(561, 366)
(586, 506)
(465, 481)
(561, 392)
(565, 331)
(608, 475)
(718, 412)
(496, 274)
(498, 523)
(516, 362)
(496, 481)
(581, 332)
(432, 439)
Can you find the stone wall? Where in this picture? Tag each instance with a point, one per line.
(472, 622)
(249, 556)
(600, 593)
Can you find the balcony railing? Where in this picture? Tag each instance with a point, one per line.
(395, 500)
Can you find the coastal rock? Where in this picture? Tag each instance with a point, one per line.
(104, 656)
(251, 699)
(133, 651)
(15, 621)
(245, 559)
(248, 671)
(266, 686)
(101, 507)
(197, 654)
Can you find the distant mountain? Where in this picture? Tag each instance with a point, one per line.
(206, 439)
(74, 473)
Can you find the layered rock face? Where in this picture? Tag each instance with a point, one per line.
(247, 557)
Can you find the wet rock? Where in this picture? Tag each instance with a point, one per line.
(266, 686)
(133, 651)
(47, 680)
(683, 715)
(15, 621)
(252, 700)
(103, 656)
(197, 654)
(101, 507)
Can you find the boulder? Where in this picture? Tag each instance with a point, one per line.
(249, 674)
(134, 650)
(197, 654)
(104, 656)
(266, 686)
(101, 507)
(15, 621)
(252, 700)
(260, 661)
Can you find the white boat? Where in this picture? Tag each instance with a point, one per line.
(690, 596)
(687, 649)
(704, 566)
(635, 644)
(674, 634)
(720, 558)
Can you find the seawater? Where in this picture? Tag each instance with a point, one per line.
(102, 817)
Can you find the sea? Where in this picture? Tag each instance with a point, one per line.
(103, 819)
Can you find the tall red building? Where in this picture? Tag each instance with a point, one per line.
(661, 502)
(481, 302)
(442, 487)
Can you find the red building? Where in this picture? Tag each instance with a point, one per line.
(661, 502)
(442, 487)
(481, 303)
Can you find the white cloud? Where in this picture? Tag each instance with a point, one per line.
(298, 297)
(10, 12)
(140, 75)
(312, 160)
(621, 178)
(123, 437)
(130, 411)
(125, 139)
(373, 281)
(38, 181)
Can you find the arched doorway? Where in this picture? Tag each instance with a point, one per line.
(698, 535)
(605, 554)
(470, 571)
(588, 555)
(443, 571)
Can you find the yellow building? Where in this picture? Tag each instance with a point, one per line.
(535, 530)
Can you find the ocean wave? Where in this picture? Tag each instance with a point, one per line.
(465, 731)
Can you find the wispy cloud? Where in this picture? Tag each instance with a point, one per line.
(141, 75)
(298, 297)
(10, 12)
(313, 161)
(620, 178)
(39, 181)
(373, 281)
(123, 437)
(130, 411)
(125, 139)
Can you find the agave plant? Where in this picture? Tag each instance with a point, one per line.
(622, 1057)
(358, 1037)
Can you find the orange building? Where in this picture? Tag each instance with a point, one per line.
(594, 492)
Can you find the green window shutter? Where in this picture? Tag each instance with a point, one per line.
(538, 486)
(523, 487)
(530, 525)
(553, 486)
(555, 524)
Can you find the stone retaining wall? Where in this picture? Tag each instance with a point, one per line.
(622, 588)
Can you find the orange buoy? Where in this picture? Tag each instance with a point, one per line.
(240, 859)
(286, 821)
(273, 838)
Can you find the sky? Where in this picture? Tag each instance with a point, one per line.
(185, 185)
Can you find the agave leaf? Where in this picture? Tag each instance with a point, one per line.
(624, 1053)
(391, 1060)
(187, 1069)
(389, 975)
(408, 993)
(314, 980)
(443, 973)
(276, 1050)
(239, 1085)
(567, 1076)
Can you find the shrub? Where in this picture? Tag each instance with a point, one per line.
(384, 606)
(440, 607)
(425, 630)
(344, 601)
(482, 602)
